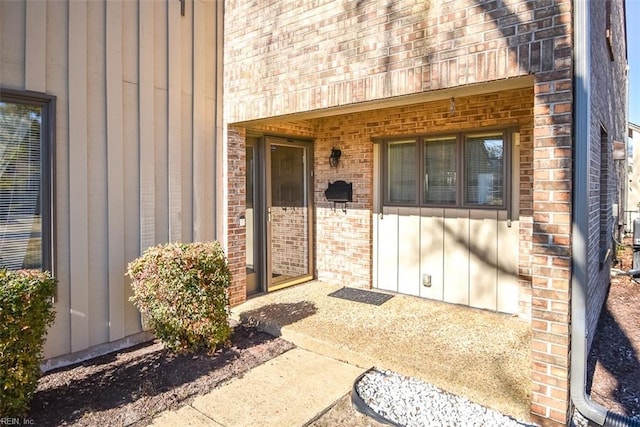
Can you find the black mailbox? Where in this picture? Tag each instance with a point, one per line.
(339, 192)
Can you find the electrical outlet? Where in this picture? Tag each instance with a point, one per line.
(426, 280)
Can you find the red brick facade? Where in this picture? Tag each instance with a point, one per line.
(345, 72)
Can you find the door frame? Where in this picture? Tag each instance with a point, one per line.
(262, 226)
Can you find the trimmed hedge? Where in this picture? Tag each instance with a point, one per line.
(181, 288)
(26, 310)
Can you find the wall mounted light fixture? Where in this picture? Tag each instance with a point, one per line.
(334, 158)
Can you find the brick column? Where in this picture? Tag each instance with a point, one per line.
(236, 187)
(551, 248)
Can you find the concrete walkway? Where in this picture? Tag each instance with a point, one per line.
(481, 355)
(289, 390)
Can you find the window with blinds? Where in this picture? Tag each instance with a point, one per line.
(484, 161)
(455, 170)
(24, 216)
(401, 183)
(440, 171)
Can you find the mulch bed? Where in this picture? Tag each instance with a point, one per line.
(131, 386)
(614, 361)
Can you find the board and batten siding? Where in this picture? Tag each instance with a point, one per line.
(460, 256)
(469, 256)
(137, 148)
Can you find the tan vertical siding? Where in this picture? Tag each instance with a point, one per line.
(174, 121)
(123, 75)
(36, 45)
(98, 254)
(146, 109)
(115, 167)
(78, 173)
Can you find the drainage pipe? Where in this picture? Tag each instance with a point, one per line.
(579, 279)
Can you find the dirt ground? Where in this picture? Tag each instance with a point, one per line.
(614, 360)
(131, 386)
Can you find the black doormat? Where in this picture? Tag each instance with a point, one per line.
(361, 295)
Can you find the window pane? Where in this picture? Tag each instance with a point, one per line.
(401, 185)
(20, 182)
(440, 171)
(484, 163)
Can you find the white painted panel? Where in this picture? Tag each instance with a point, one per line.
(115, 170)
(387, 245)
(456, 256)
(409, 251)
(36, 46)
(78, 185)
(507, 287)
(432, 252)
(483, 258)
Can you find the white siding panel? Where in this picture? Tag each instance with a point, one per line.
(507, 286)
(483, 258)
(431, 252)
(456, 256)
(387, 245)
(409, 251)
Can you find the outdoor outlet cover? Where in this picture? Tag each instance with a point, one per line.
(426, 280)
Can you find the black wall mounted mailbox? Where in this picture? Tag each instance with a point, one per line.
(339, 192)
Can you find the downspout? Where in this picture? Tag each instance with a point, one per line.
(579, 278)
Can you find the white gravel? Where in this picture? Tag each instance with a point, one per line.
(409, 402)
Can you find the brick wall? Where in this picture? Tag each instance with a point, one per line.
(344, 241)
(236, 235)
(608, 115)
(287, 57)
(289, 237)
(291, 57)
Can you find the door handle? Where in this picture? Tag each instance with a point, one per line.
(268, 214)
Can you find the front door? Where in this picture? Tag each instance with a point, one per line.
(278, 214)
(288, 213)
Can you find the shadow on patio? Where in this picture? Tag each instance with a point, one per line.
(481, 355)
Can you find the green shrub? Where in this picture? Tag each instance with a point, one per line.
(182, 291)
(26, 310)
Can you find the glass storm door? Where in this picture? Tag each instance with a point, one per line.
(288, 213)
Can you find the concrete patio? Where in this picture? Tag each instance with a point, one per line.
(481, 355)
